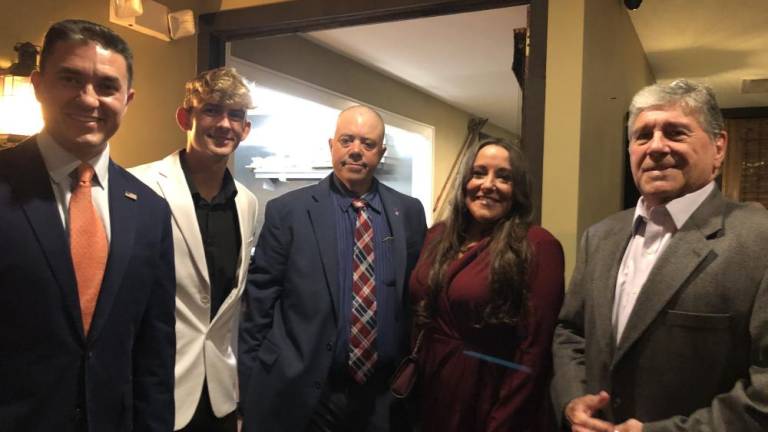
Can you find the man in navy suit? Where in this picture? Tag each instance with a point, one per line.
(326, 313)
(86, 267)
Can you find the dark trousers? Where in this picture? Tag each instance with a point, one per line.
(346, 406)
(204, 420)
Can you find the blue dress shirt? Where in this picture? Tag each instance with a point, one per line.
(386, 298)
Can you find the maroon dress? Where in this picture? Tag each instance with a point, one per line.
(458, 390)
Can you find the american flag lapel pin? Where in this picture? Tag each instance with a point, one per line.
(397, 212)
(131, 196)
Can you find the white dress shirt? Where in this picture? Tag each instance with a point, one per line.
(62, 170)
(652, 230)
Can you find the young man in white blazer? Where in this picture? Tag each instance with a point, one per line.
(213, 233)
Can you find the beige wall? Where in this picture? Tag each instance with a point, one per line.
(617, 68)
(562, 123)
(148, 130)
(299, 58)
(595, 63)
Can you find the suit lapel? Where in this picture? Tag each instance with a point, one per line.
(173, 185)
(687, 249)
(395, 219)
(614, 243)
(323, 222)
(122, 217)
(36, 196)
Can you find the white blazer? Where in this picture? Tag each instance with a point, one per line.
(205, 348)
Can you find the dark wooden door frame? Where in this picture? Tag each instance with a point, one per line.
(746, 112)
(216, 29)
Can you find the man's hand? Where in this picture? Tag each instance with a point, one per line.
(579, 413)
(630, 425)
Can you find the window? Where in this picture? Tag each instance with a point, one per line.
(745, 174)
(288, 144)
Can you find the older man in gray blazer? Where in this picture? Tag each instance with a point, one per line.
(665, 325)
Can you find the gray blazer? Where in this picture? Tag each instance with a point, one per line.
(694, 353)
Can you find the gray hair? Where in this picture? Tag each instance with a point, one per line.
(694, 98)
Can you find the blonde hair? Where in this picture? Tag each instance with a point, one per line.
(221, 86)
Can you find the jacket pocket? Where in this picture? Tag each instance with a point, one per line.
(698, 320)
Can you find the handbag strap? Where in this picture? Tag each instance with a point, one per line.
(417, 346)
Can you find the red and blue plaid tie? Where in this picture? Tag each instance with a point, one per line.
(362, 356)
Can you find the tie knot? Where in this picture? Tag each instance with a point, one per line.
(359, 203)
(85, 174)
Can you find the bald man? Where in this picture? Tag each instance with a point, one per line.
(326, 315)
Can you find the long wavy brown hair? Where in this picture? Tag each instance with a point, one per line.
(509, 248)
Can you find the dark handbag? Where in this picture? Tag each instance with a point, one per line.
(407, 373)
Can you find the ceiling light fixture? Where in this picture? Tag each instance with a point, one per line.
(20, 114)
(633, 4)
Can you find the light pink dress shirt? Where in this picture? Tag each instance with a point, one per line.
(653, 229)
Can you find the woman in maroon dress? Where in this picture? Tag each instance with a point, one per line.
(488, 287)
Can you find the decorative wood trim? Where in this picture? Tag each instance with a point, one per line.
(745, 112)
(532, 134)
(746, 137)
(731, 170)
(311, 15)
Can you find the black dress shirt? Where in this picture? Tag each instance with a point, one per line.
(220, 230)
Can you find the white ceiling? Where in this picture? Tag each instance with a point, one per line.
(463, 59)
(716, 41)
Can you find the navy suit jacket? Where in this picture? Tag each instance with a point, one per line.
(52, 377)
(289, 326)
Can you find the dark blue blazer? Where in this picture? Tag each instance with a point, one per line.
(53, 377)
(289, 326)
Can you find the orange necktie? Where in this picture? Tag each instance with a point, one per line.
(88, 244)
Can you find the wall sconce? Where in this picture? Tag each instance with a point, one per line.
(20, 114)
